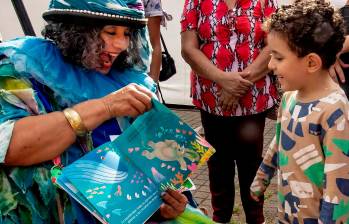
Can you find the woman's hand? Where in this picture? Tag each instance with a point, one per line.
(226, 100)
(132, 100)
(174, 204)
(234, 84)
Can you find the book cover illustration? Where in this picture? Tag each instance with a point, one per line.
(121, 181)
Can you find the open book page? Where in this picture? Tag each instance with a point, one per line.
(166, 149)
(121, 181)
(111, 187)
(73, 192)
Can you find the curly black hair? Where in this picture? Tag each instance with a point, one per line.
(81, 45)
(310, 26)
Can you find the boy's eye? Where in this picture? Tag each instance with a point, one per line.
(110, 32)
(278, 58)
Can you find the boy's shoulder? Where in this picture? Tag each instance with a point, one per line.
(335, 104)
(336, 99)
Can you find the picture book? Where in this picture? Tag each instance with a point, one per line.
(121, 181)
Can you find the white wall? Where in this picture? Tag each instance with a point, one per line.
(9, 24)
(177, 89)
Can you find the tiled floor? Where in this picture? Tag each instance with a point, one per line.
(200, 177)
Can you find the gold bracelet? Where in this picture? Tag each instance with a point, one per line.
(75, 121)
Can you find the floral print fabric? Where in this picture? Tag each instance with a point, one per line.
(152, 8)
(231, 39)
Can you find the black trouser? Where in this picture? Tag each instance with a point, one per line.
(237, 140)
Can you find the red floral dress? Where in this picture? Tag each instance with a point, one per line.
(231, 39)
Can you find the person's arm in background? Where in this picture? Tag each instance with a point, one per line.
(259, 67)
(232, 82)
(346, 44)
(154, 35)
(336, 70)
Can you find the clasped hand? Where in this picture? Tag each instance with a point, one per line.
(233, 85)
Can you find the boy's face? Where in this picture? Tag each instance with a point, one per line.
(286, 65)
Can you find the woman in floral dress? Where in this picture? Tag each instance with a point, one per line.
(223, 42)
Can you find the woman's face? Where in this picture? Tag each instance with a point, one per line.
(116, 40)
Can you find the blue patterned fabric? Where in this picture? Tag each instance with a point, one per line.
(36, 67)
(133, 8)
(106, 12)
(35, 57)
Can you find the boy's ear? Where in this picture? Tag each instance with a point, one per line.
(314, 62)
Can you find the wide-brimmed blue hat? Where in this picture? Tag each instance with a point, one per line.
(104, 12)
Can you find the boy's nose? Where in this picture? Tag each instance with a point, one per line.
(271, 64)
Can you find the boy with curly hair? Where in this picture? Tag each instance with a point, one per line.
(310, 150)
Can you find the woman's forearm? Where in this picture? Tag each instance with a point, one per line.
(40, 138)
(196, 58)
(259, 67)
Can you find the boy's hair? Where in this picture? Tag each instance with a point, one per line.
(310, 26)
(82, 45)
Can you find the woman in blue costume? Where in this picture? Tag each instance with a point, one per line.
(66, 94)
